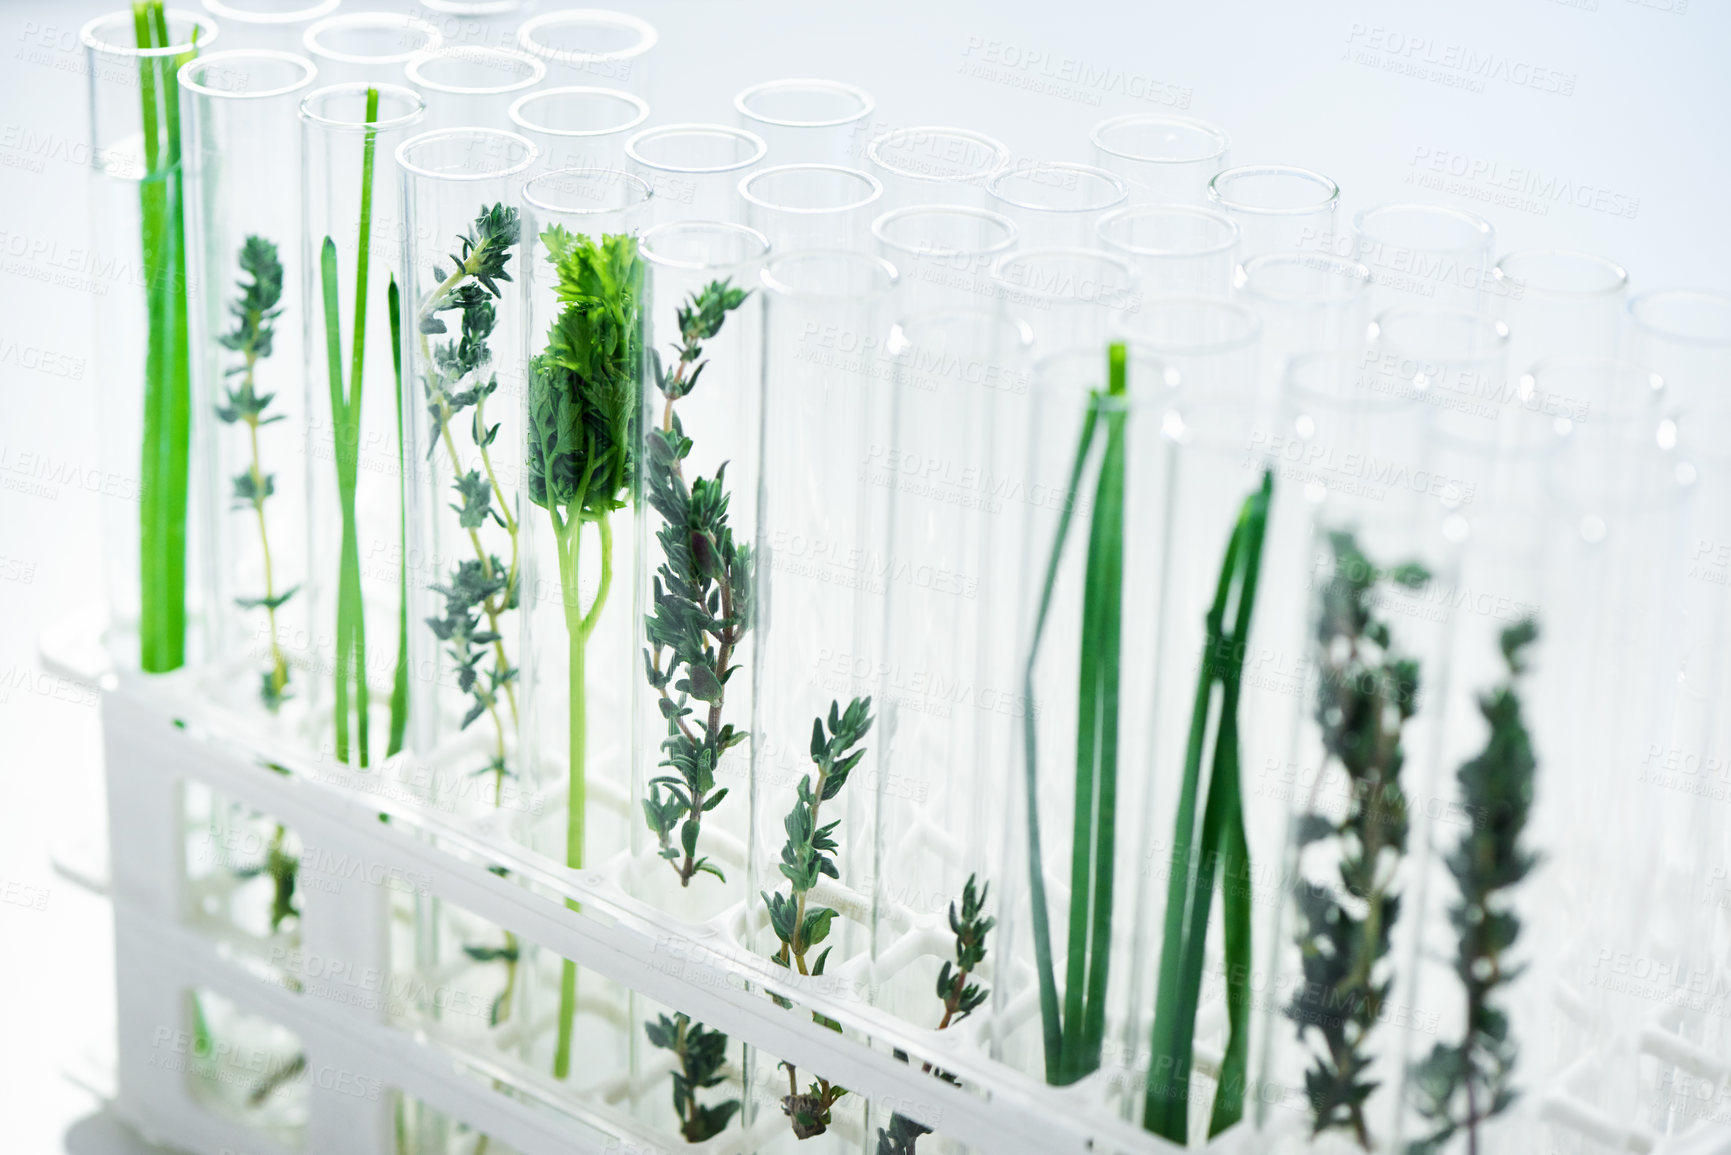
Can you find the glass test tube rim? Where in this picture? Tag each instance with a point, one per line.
(1120, 186)
(406, 151)
(646, 244)
(90, 34)
(1622, 366)
(1071, 252)
(1718, 299)
(473, 53)
(1619, 281)
(881, 223)
(1024, 332)
(1372, 403)
(867, 103)
(1217, 197)
(359, 88)
(187, 80)
(1481, 227)
(1202, 127)
(607, 175)
(398, 20)
(1043, 382)
(874, 188)
(1248, 327)
(518, 106)
(1358, 276)
(473, 7)
(1498, 331)
(633, 151)
(995, 148)
(1129, 212)
(647, 36)
(777, 287)
(313, 11)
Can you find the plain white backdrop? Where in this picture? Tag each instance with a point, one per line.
(1590, 124)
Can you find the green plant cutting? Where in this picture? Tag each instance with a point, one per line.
(167, 432)
(808, 855)
(1073, 1033)
(584, 392)
(1366, 693)
(1459, 1086)
(701, 601)
(701, 1055)
(351, 706)
(255, 312)
(1214, 853)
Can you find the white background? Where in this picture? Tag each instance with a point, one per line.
(1625, 101)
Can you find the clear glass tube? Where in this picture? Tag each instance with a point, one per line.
(806, 121)
(580, 652)
(1459, 362)
(1167, 160)
(1685, 336)
(944, 254)
(466, 86)
(366, 46)
(1206, 347)
(1586, 390)
(706, 389)
(821, 582)
(811, 206)
(475, 23)
(695, 169)
(464, 377)
(267, 25)
(935, 164)
(579, 127)
(1307, 303)
(1559, 303)
(1070, 298)
(1179, 249)
(593, 46)
(243, 180)
(948, 704)
(1421, 254)
(351, 231)
(1056, 203)
(137, 204)
(1277, 206)
(1358, 450)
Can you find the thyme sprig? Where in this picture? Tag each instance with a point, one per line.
(702, 600)
(805, 857)
(701, 1054)
(1458, 1086)
(255, 312)
(1367, 692)
(455, 379)
(960, 996)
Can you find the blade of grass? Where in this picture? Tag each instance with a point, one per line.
(339, 422)
(352, 558)
(1190, 889)
(1051, 1020)
(400, 679)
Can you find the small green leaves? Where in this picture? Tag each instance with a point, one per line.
(258, 304)
(702, 1055)
(1460, 1085)
(970, 926)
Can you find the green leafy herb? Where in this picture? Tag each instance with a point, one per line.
(960, 996)
(455, 379)
(351, 657)
(1366, 693)
(701, 1054)
(1460, 1085)
(702, 601)
(282, 868)
(1073, 1035)
(255, 312)
(167, 433)
(807, 856)
(584, 392)
(1215, 851)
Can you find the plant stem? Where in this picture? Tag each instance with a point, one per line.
(399, 677)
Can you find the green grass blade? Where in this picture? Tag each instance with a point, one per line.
(352, 560)
(177, 365)
(399, 680)
(1051, 1020)
(339, 424)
